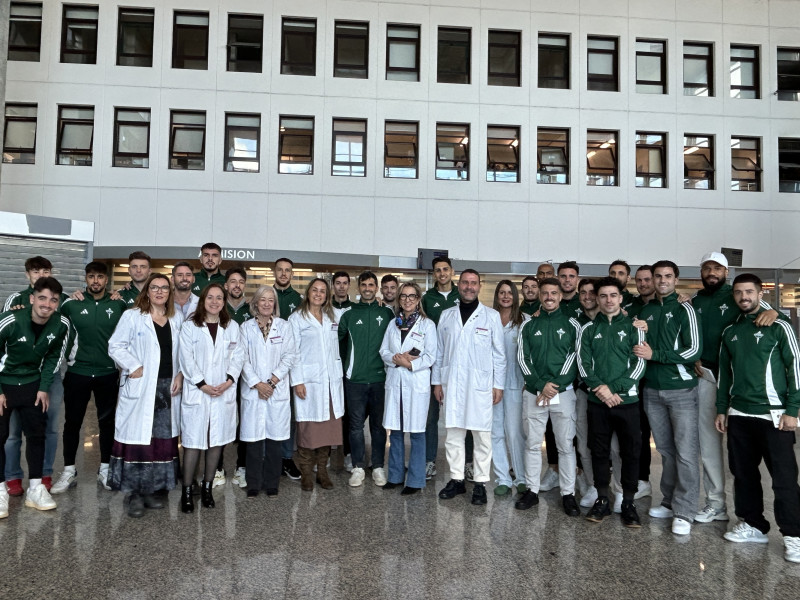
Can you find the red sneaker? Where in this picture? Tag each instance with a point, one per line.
(48, 482)
(15, 487)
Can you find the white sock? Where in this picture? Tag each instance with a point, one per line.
(103, 467)
(70, 469)
(33, 483)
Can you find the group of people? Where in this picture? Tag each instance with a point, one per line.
(579, 363)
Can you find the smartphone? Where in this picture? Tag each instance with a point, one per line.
(414, 352)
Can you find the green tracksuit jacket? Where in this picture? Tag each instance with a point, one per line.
(530, 307)
(546, 350)
(23, 297)
(627, 300)
(288, 301)
(572, 307)
(433, 302)
(759, 368)
(25, 358)
(241, 314)
(674, 335)
(129, 295)
(605, 356)
(202, 281)
(363, 327)
(91, 324)
(635, 307)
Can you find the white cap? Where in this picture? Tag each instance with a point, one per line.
(717, 257)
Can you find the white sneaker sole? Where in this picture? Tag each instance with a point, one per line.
(30, 504)
(720, 517)
(71, 485)
(739, 540)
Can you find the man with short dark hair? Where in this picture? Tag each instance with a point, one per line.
(139, 270)
(621, 271)
(389, 285)
(587, 296)
(646, 288)
(568, 277)
(530, 295)
(341, 298)
(210, 260)
(182, 281)
(35, 267)
(758, 398)
(235, 282)
(340, 457)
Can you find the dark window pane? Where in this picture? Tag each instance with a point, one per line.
(453, 64)
(135, 37)
(245, 43)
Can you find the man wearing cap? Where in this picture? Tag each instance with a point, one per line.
(716, 309)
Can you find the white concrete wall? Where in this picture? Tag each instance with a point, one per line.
(373, 215)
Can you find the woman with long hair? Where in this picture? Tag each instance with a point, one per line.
(317, 381)
(144, 458)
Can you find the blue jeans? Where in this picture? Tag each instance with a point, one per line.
(416, 460)
(13, 445)
(363, 398)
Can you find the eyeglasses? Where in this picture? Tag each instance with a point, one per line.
(159, 288)
(408, 296)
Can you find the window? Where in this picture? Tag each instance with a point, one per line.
(242, 132)
(349, 148)
(453, 58)
(502, 154)
(504, 57)
(745, 164)
(554, 61)
(79, 34)
(698, 162)
(788, 73)
(190, 40)
(351, 50)
(601, 158)
(552, 149)
(245, 43)
(299, 47)
(602, 64)
(19, 139)
(187, 140)
(402, 52)
(400, 149)
(744, 72)
(651, 159)
(132, 137)
(25, 31)
(296, 145)
(788, 164)
(698, 69)
(135, 37)
(75, 135)
(452, 151)
(651, 66)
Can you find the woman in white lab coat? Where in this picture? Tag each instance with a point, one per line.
(408, 351)
(317, 381)
(144, 458)
(211, 363)
(268, 349)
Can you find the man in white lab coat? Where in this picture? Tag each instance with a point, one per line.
(468, 379)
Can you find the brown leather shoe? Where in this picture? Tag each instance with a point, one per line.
(322, 467)
(304, 462)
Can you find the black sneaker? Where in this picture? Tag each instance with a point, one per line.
(599, 511)
(570, 506)
(479, 494)
(453, 489)
(290, 469)
(630, 518)
(529, 498)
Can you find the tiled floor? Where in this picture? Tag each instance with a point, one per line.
(357, 543)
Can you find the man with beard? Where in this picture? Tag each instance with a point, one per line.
(210, 260)
(139, 270)
(545, 271)
(182, 281)
(568, 273)
(235, 281)
(389, 285)
(646, 289)
(716, 307)
(621, 271)
(530, 295)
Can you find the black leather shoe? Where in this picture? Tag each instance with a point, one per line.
(529, 498)
(453, 489)
(206, 498)
(479, 494)
(407, 491)
(195, 488)
(187, 500)
(390, 486)
(630, 518)
(151, 501)
(272, 492)
(135, 506)
(570, 506)
(599, 511)
(252, 493)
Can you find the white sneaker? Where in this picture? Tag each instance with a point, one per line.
(744, 533)
(792, 545)
(681, 526)
(643, 489)
(469, 472)
(709, 513)
(660, 512)
(219, 479)
(102, 479)
(589, 498)
(348, 463)
(39, 498)
(239, 478)
(357, 478)
(379, 476)
(618, 502)
(67, 480)
(430, 470)
(549, 481)
(3, 501)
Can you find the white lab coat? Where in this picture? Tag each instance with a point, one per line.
(414, 385)
(318, 367)
(206, 421)
(262, 419)
(514, 379)
(470, 362)
(132, 345)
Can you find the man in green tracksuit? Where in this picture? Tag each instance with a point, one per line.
(139, 270)
(758, 399)
(210, 260)
(90, 372)
(235, 281)
(612, 372)
(568, 279)
(670, 396)
(621, 271)
(32, 343)
(530, 295)
(363, 327)
(646, 289)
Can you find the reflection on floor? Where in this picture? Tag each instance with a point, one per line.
(352, 543)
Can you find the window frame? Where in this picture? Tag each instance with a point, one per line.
(285, 67)
(339, 36)
(648, 176)
(492, 163)
(60, 135)
(662, 56)
(65, 25)
(417, 41)
(757, 169)
(542, 171)
(187, 156)
(792, 92)
(516, 76)
(37, 48)
(708, 59)
(232, 45)
(756, 62)
(613, 148)
(115, 149)
(142, 11)
(282, 135)
(440, 44)
(227, 158)
(794, 182)
(348, 164)
(438, 157)
(595, 78)
(16, 119)
(710, 159)
(564, 49)
(414, 143)
(179, 56)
